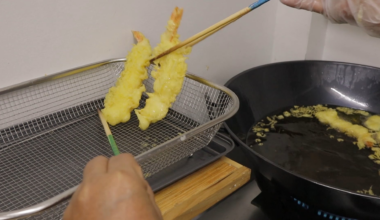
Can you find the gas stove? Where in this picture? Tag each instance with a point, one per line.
(284, 207)
(265, 205)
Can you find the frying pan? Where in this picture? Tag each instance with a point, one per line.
(269, 89)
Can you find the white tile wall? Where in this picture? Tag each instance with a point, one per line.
(43, 37)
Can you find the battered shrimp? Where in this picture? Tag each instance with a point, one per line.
(169, 74)
(362, 134)
(125, 95)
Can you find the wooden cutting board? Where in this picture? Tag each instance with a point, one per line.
(192, 195)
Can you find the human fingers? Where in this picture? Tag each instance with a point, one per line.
(95, 167)
(153, 201)
(126, 163)
(70, 213)
(309, 5)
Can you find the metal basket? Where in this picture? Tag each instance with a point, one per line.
(49, 130)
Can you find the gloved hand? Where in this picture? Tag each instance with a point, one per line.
(363, 13)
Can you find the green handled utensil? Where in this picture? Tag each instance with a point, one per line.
(108, 133)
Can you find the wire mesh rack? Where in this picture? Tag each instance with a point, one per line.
(49, 130)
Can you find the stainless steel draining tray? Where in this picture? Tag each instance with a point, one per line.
(49, 130)
(218, 147)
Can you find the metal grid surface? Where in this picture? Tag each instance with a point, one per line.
(52, 213)
(49, 131)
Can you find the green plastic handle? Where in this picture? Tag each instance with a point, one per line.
(113, 145)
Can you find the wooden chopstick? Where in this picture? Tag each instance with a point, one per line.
(107, 129)
(207, 35)
(212, 29)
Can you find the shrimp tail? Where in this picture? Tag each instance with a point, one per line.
(176, 18)
(138, 36)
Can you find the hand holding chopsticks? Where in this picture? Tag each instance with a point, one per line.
(211, 30)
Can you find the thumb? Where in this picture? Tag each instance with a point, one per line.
(309, 5)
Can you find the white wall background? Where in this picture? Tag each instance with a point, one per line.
(350, 44)
(43, 37)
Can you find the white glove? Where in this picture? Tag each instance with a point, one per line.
(363, 13)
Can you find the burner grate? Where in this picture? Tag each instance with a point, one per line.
(279, 206)
(320, 213)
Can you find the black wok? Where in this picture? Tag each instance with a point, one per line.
(267, 89)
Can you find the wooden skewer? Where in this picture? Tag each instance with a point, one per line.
(211, 30)
(107, 129)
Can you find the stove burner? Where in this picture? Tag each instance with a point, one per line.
(283, 207)
(320, 213)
